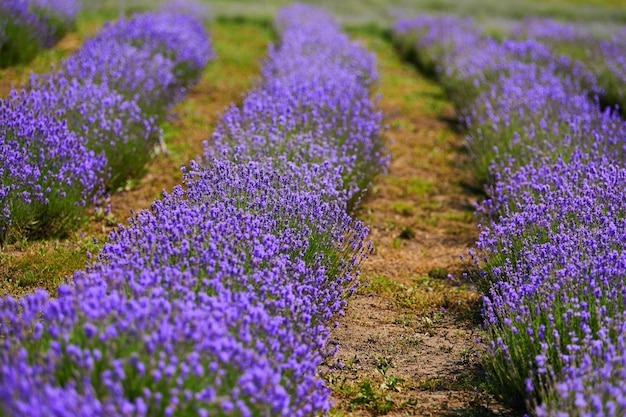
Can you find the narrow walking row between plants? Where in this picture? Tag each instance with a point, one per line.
(407, 341)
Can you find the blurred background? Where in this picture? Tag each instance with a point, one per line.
(385, 12)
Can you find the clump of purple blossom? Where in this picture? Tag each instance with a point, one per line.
(216, 299)
(603, 54)
(110, 123)
(47, 173)
(510, 105)
(312, 105)
(104, 104)
(153, 58)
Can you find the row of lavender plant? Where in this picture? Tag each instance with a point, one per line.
(216, 301)
(602, 50)
(92, 124)
(28, 26)
(307, 111)
(551, 249)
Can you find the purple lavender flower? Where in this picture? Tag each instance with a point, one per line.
(151, 58)
(108, 122)
(601, 54)
(48, 175)
(102, 108)
(313, 104)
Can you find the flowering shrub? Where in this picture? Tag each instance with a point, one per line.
(151, 57)
(512, 106)
(109, 123)
(28, 26)
(552, 248)
(47, 174)
(215, 301)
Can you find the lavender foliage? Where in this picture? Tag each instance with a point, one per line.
(551, 249)
(602, 53)
(153, 58)
(216, 301)
(108, 122)
(47, 173)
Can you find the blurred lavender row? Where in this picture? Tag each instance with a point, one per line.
(88, 127)
(551, 251)
(602, 52)
(27, 26)
(216, 301)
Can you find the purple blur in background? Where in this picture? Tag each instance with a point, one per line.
(107, 99)
(27, 26)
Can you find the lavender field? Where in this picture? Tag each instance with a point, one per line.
(352, 235)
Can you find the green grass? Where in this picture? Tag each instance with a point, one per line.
(383, 12)
(377, 395)
(17, 75)
(403, 207)
(46, 263)
(426, 294)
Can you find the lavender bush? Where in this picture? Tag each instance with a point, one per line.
(551, 249)
(216, 301)
(555, 261)
(109, 123)
(152, 58)
(110, 95)
(48, 174)
(27, 26)
(560, 95)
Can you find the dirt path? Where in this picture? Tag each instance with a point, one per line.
(407, 342)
